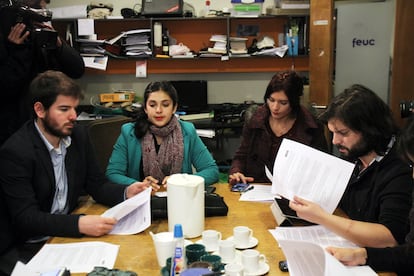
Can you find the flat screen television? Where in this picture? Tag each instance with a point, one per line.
(192, 96)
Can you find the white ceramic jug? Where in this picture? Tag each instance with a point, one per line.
(185, 201)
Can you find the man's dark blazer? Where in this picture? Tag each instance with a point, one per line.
(28, 183)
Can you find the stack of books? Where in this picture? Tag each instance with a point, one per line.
(219, 44)
(238, 46)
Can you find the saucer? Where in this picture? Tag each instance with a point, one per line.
(263, 269)
(209, 249)
(252, 243)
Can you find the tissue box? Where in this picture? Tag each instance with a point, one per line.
(247, 8)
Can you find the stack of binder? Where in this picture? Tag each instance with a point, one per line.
(133, 43)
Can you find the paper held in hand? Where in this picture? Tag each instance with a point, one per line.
(311, 174)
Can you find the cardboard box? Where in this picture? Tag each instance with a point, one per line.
(117, 97)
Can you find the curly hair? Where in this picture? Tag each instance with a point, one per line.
(360, 109)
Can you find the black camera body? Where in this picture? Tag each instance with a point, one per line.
(406, 108)
(43, 38)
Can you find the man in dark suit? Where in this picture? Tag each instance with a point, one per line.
(45, 166)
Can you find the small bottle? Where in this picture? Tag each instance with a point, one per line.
(165, 42)
(178, 260)
(207, 7)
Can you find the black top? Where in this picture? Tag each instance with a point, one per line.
(381, 194)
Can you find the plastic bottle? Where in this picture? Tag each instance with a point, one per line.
(165, 42)
(178, 260)
(207, 8)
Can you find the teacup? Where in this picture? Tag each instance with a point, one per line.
(194, 252)
(242, 236)
(227, 250)
(233, 269)
(213, 260)
(251, 260)
(211, 239)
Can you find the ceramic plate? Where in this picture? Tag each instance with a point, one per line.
(252, 243)
(263, 269)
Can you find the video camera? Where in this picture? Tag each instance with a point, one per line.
(406, 108)
(42, 37)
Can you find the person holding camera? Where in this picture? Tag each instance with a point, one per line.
(28, 46)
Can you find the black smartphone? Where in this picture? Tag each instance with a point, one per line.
(283, 266)
(239, 187)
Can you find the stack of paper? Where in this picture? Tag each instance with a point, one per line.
(238, 45)
(304, 249)
(131, 43)
(220, 44)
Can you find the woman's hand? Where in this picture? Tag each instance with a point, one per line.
(308, 210)
(349, 256)
(238, 177)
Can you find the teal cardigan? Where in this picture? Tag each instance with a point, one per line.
(125, 162)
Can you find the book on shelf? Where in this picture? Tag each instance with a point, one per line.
(238, 45)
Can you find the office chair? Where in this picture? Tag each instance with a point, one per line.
(104, 133)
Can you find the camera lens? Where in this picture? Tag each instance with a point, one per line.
(406, 108)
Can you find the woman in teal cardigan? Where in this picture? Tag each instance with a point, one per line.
(158, 145)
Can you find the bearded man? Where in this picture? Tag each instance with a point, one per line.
(377, 199)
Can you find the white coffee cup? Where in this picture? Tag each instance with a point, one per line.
(251, 260)
(233, 269)
(227, 250)
(211, 239)
(164, 246)
(242, 236)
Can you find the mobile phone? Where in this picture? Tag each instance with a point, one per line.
(239, 187)
(283, 266)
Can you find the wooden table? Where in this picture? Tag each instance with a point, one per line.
(137, 252)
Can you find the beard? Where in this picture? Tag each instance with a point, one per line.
(360, 149)
(52, 129)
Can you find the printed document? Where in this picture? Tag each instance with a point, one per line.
(309, 259)
(258, 193)
(133, 215)
(311, 174)
(317, 234)
(78, 257)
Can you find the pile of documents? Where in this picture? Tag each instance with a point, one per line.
(219, 44)
(238, 46)
(135, 43)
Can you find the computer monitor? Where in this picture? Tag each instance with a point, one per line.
(192, 96)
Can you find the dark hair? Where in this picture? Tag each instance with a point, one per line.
(141, 123)
(289, 82)
(46, 86)
(405, 142)
(363, 111)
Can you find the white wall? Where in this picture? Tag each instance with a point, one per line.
(364, 45)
